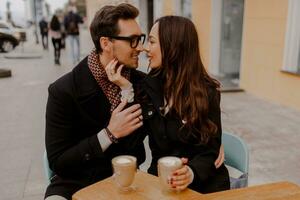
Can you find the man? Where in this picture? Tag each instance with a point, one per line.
(86, 125)
(71, 22)
(44, 32)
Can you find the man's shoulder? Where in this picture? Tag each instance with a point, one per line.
(66, 82)
(214, 94)
(62, 84)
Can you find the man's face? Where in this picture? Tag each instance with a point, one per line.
(122, 49)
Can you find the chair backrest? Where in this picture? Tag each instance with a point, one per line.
(48, 172)
(236, 153)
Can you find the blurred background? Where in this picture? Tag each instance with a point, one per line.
(251, 46)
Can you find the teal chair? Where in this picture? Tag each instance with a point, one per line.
(48, 172)
(236, 156)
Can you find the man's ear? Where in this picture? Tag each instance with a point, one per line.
(105, 44)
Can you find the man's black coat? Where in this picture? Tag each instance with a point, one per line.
(77, 109)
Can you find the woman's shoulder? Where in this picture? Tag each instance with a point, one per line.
(213, 93)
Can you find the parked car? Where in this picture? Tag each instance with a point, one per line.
(7, 41)
(17, 31)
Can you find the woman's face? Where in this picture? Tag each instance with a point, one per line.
(153, 48)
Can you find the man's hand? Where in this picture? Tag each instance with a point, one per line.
(221, 157)
(115, 76)
(124, 122)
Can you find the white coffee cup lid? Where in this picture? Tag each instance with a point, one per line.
(123, 160)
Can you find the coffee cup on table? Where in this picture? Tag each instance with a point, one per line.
(166, 166)
(124, 170)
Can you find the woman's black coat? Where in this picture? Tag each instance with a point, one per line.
(164, 140)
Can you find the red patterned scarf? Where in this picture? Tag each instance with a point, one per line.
(111, 90)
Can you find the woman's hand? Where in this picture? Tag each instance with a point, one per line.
(115, 76)
(221, 157)
(182, 177)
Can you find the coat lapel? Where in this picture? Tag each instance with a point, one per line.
(91, 100)
(153, 87)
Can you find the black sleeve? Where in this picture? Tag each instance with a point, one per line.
(66, 154)
(203, 163)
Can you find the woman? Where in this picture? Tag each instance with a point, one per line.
(56, 35)
(184, 116)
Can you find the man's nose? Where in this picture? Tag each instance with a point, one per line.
(145, 48)
(140, 46)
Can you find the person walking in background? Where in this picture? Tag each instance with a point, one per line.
(71, 22)
(44, 32)
(56, 35)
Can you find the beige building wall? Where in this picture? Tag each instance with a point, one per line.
(201, 16)
(201, 12)
(263, 50)
(168, 7)
(92, 6)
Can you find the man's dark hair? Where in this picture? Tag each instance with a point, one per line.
(105, 21)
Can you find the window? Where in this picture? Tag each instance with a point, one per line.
(183, 8)
(291, 60)
(186, 8)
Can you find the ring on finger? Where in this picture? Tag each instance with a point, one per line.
(140, 118)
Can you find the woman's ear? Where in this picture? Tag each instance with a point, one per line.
(105, 44)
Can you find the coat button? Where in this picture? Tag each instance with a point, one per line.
(150, 113)
(87, 156)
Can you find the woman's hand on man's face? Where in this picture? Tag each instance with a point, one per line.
(114, 74)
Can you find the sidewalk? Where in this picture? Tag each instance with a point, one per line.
(22, 117)
(271, 131)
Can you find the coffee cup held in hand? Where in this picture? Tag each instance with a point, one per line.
(166, 166)
(124, 168)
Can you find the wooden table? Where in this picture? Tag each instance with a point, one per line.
(148, 188)
(271, 191)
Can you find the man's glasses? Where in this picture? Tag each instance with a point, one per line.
(134, 40)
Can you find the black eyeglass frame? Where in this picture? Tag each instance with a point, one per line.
(140, 38)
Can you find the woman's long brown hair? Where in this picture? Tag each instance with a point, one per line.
(186, 81)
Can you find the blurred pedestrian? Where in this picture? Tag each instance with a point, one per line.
(44, 32)
(56, 35)
(71, 22)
